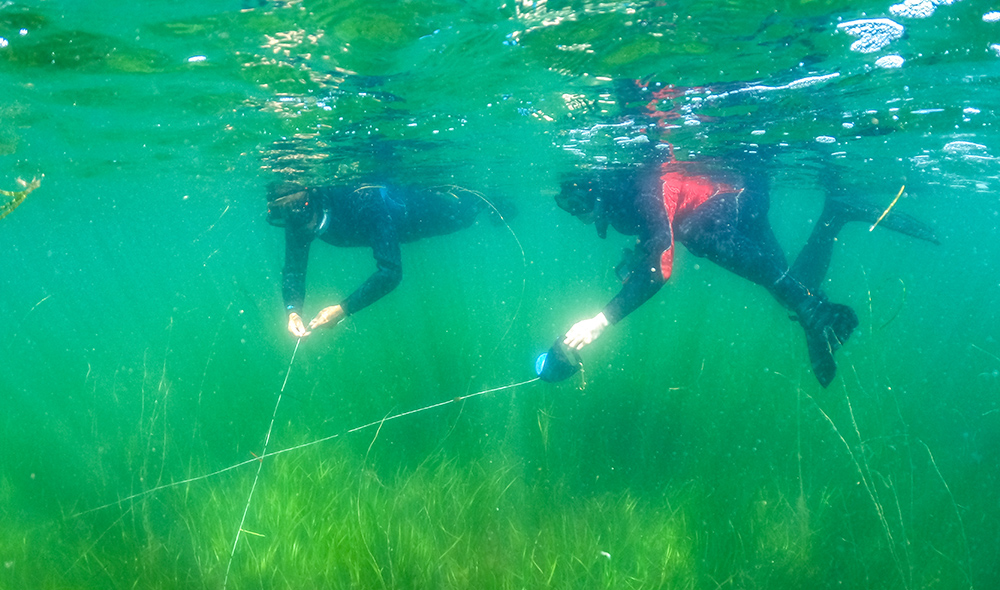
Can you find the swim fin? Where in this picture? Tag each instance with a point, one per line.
(849, 208)
(827, 326)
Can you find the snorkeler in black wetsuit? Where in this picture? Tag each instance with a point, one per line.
(378, 217)
(723, 217)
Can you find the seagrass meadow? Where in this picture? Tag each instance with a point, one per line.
(161, 429)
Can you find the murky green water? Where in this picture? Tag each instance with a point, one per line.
(143, 336)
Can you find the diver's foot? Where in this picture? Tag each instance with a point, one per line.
(827, 326)
(850, 208)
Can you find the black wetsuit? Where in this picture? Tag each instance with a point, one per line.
(379, 218)
(719, 216)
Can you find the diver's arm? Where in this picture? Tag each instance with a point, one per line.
(652, 266)
(388, 262)
(645, 278)
(641, 284)
(293, 278)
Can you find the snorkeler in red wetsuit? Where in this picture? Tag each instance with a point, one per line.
(721, 216)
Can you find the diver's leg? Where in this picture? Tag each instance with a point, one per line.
(726, 229)
(732, 230)
(842, 207)
(813, 261)
(827, 325)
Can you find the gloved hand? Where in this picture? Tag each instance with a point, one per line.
(585, 331)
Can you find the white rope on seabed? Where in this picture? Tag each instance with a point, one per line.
(265, 454)
(267, 439)
(260, 464)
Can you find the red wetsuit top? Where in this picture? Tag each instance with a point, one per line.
(648, 209)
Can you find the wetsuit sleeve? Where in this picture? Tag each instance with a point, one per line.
(388, 262)
(645, 276)
(293, 276)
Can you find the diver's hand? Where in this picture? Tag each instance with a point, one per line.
(585, 331)
(330, 316)
(296, 326)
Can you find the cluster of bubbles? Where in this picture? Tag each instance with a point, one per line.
(873, 35)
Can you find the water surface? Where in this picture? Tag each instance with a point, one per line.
(143, 334)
